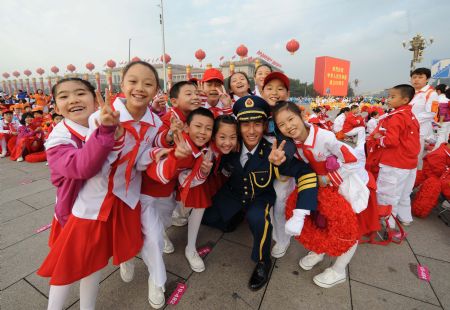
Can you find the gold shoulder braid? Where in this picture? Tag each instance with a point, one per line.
(278, 176)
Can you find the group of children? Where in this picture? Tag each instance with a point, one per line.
(23, 131)
(124, 167)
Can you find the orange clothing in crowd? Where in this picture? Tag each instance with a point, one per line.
(41, 100)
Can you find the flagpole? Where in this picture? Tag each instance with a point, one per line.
(161, 21)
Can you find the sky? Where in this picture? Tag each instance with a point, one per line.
(43, 33)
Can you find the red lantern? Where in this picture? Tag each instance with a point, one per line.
(71, 68)
(90, 66)
(200, 55)
(111, 64)
(166, 58)
(6, 75)
(242, 51)
(27, 72)
(135, 58)
(40, 71)
(292, 46)
(54, 69)
(16, 74)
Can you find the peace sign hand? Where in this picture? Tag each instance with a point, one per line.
(108, 117)
(182, 149)
(201, 89)
(277, 156)
(207, 163)
(224, 97)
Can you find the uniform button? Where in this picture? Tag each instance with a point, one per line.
(243, 201)
(245, 187)
(245, 179)
(246, 193)
(262, 179)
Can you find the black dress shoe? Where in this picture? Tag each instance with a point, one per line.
(260, 275)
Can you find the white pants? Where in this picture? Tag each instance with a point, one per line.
(442, 134)
(282, 190)
(394, 187)
(4, 146)
(152, 250)
(165, 207)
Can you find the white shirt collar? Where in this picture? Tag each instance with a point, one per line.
(125, 116)
(79, 129)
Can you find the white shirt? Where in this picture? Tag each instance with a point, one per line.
(92, 195)
(339, 123)
(244, 157)
(421, 107)
(371, 125)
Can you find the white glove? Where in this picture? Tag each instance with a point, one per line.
(294, 225)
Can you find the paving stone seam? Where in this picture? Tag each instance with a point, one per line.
(350, 286)
(34, 210)
(46, 297)
(386, 290)
(26, 238)
(267, 284)
(236, 242)
(429, 283)
(437, 259)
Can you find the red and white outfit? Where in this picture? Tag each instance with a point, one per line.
(398, 149)
(371, 125)
(444, 129)
(354, 126)
(219, 109)
(106, 216)
(347, 174)
(6, 130)
(421, 107)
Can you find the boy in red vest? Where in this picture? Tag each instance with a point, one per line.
(397, 137)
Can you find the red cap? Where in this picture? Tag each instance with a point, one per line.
(277, 76)
(212, 74)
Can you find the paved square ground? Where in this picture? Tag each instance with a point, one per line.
(380, 277)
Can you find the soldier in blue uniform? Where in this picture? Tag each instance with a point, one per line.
(249, 189)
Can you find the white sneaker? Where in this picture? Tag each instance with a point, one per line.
(279, 250)
(168, 245)
(329, 278)
(195, 261)
(127, 271)
(156, 297)
(310, 260)
(179, 221)
(20, 159)
(2, 155)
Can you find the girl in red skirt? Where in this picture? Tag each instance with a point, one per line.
(106, 216)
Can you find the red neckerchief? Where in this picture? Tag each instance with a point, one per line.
(76, 134)
(198, 155)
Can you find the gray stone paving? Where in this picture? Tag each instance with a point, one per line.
(380, 277)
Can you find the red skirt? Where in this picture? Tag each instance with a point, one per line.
(55, 231)
(85, 246)
(368, 220)
(200, 197)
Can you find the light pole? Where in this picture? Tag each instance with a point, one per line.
(129, 49)
(416, 45)
(161, 21)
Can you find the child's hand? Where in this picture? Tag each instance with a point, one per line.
(161, 153)
(176, 124)
(323, 180)
(277, 155)
(224, 97)
(182, 149)
(201, 89)
(207, 163)
(159, 103)
(108, 117)
(377, 135)
(119, 132)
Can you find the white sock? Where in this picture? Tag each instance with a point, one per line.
(57, 296)
(194, 221)
(342, 261)
(88, 291)
(4, 146)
